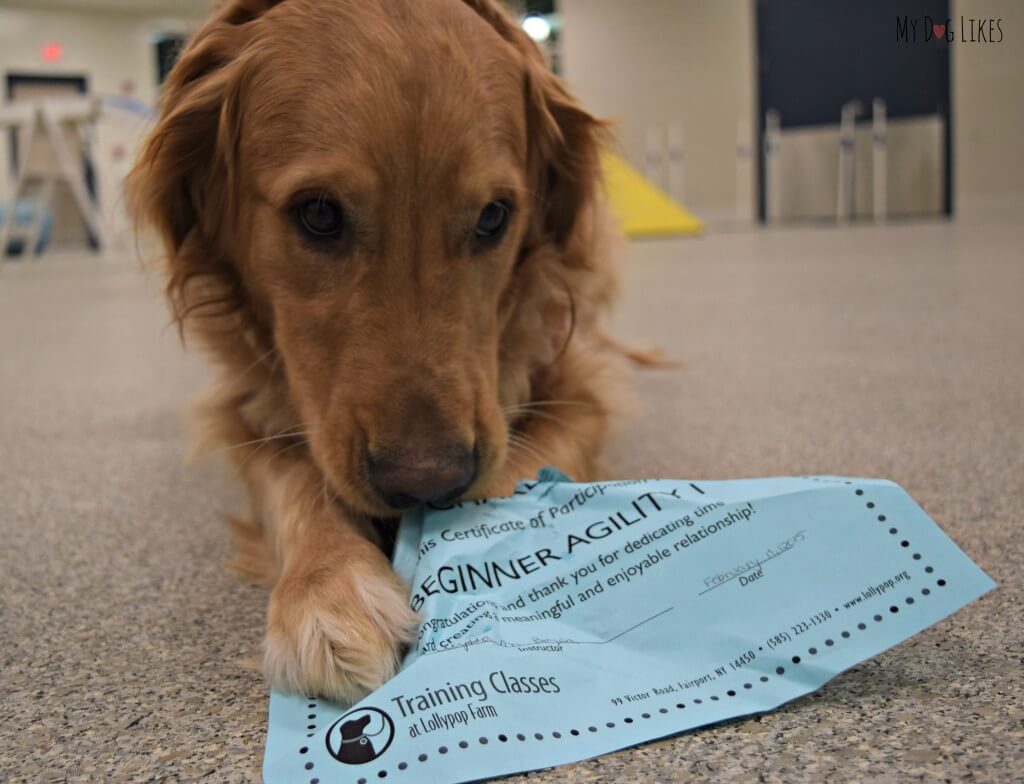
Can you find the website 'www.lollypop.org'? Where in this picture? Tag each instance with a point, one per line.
(877, 589)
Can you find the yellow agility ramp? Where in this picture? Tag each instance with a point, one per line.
(643, 209)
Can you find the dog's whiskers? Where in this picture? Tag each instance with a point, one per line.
(303, 439)
(266, 439)
(541, 414)
(290, 447)
(534, 410)
(532, 404)
(521, 444)
(259, 361)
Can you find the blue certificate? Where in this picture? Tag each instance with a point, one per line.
(570, 620)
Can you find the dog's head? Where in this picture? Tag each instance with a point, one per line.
(351, 730)
(359, 187)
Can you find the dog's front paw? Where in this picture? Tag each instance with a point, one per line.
(336, 629)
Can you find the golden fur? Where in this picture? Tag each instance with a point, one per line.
(413, 114)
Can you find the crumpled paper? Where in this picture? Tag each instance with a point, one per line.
(571, 620)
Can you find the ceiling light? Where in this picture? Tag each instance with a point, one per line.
(537, 27)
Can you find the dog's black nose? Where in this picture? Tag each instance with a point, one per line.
(404, 479)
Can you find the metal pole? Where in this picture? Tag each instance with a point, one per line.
(772, 166)
(879, 161)
(654, 160)
(744, 161)
(676, 163)
(847, 145)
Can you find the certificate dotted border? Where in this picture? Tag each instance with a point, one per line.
(310, 732)
(591, 729)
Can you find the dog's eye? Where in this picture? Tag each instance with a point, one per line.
(321, 219)
(492, 221)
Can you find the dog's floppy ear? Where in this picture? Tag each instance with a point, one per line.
(181, 184)
(564, 140)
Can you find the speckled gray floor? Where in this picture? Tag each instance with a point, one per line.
(894, 352)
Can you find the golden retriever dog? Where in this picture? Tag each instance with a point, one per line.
(383, 223)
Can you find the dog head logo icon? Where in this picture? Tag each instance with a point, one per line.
(360, 736)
